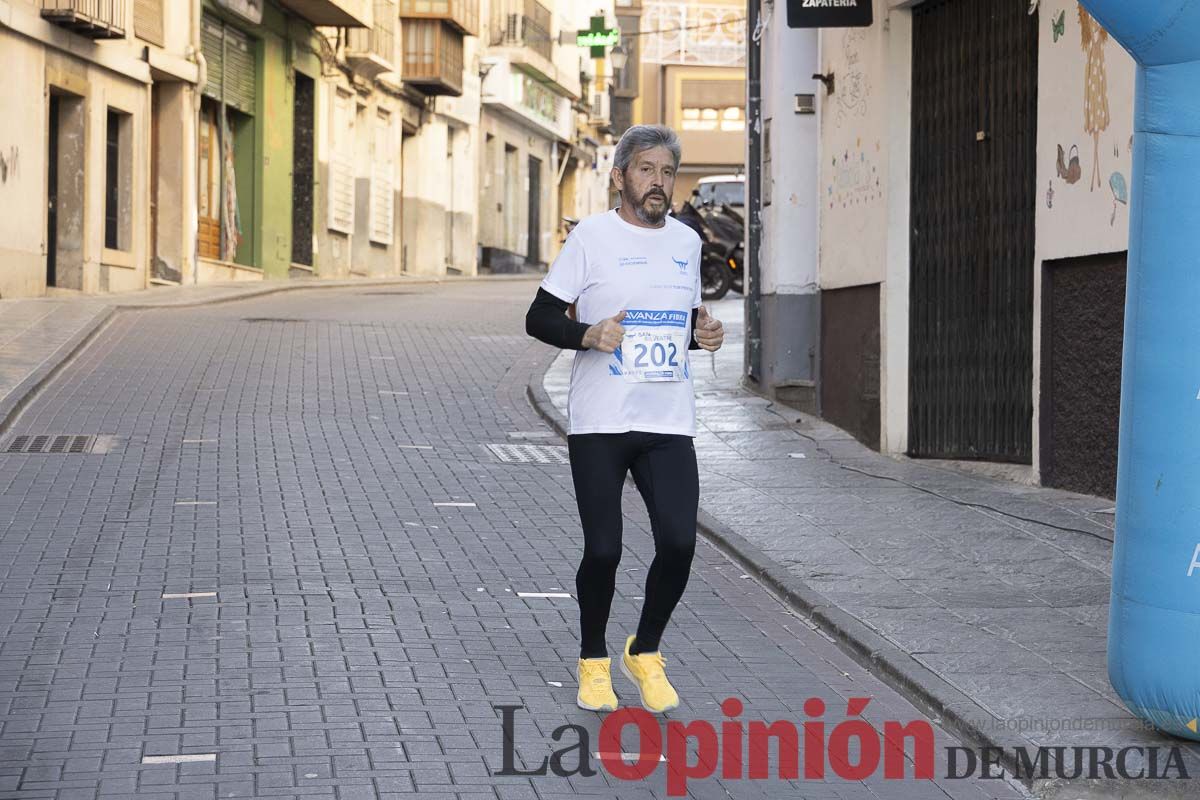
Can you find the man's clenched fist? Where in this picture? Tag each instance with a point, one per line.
(605, 335)
(710, 334)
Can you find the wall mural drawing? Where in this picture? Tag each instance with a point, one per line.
(9, 164)
(1069, 169)
(1095, 87)
(855, 178)
(1120, 190)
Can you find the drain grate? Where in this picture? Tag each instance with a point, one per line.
(530, 453)
(57, 444)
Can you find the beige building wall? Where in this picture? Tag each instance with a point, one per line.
(505, 191)
(150, 84)
(703, 41)
(42, 60)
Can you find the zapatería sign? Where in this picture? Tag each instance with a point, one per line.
(829, 13)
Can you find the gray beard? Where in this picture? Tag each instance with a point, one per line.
(650, 217)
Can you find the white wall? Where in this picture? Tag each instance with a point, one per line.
(854, 155)
(790, 235)
(1077, 218)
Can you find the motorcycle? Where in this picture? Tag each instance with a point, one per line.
(721, 257)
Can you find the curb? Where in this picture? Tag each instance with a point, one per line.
(13, 403)
(260, 290)
(16, 400)
(927, 690)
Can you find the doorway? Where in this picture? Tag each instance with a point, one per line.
(974, 127)
(52, 194)
(66, 158)
(534, 251)
(304, 120)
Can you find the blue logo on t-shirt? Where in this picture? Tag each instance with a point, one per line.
(640, 316)
(682, 264)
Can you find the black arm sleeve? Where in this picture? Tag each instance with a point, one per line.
(693, 344)
(547, 321)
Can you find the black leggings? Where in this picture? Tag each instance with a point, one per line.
(664, 469)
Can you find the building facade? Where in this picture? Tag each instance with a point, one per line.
(530, 85)
(216, 140)
(691, 61)
(100, 105)
(972, 220)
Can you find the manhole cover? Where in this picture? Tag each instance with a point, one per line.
(530, 453)
(59, 444)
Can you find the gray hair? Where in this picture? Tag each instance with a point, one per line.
(644, 137)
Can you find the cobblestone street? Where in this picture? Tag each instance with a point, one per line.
(300, 567)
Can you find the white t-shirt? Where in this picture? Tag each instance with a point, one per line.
(607, 266)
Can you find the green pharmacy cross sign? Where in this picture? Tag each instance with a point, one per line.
(598, 37)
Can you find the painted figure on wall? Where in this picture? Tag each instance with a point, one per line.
(1095, 87)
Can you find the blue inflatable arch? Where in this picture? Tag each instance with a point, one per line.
(1154, 622)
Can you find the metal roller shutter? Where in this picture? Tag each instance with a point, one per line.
(239, 70)
(212, 45)
(148, 20)
(229, 54)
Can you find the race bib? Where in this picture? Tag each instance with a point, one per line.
(655, 345)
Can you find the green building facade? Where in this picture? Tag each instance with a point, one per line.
(256, 202)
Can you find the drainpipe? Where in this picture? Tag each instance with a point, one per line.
(197, 55)
(753, 336)
(1154, 619)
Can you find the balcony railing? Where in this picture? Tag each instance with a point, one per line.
(95, 19)
(463, 15)
(371, 51)
(522, 23)
(433, 57)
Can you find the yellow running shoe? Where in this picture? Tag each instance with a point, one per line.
(595, 685)
(646, 671)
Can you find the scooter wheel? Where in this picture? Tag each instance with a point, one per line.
(714, 279)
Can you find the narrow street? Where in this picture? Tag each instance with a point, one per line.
(299, 564)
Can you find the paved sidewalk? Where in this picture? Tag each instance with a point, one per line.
(313, 468)
(985, 599)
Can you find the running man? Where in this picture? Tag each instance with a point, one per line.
(633, 274)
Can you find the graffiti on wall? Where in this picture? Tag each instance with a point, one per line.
(853, 86)
(10, 164)
(855, 177)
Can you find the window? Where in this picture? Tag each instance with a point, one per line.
(383, 168)
(714, 119)
(713, 105)
(731, 192)
(148, 20)
(118, 182)
(341, 163)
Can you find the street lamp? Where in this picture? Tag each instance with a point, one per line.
(618, 57)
